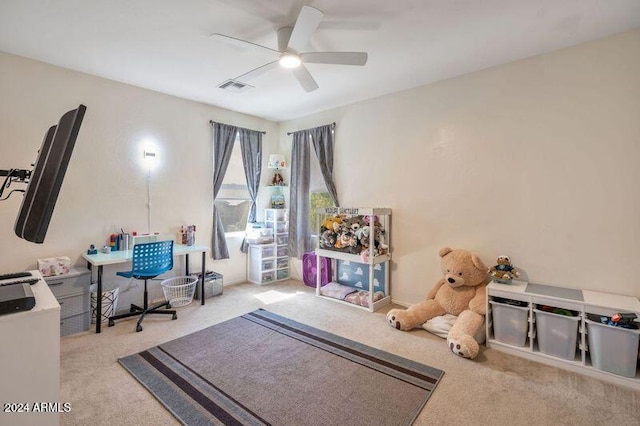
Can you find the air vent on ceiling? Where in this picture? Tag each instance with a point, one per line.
(235, 86)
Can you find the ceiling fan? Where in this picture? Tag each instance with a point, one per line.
(291, 40)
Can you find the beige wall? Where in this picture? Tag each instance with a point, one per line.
(105, 186)
(537, 159)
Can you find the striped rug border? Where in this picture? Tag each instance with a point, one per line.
(193, 400)
(400, 368)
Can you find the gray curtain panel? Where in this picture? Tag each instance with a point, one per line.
(224, 137)
(299, 228)
(251, 146)
(322, 138)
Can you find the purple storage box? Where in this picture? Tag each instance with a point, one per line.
(309, 270)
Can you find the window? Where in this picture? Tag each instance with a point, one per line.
(318, 195)
(233, 201)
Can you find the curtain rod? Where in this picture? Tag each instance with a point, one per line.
(333, 126)
(243, 128)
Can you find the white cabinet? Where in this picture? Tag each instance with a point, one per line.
(278, 220)
(30, 358)
(371, 255)
(72, 292)
(529, 332)
(262, 263)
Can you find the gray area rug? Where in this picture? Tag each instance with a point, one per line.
(261, 368)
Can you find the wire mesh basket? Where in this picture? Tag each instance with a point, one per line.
(178, 291)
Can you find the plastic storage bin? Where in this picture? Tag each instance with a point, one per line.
(557, 334)
(212, 285)
(510, 323)
(613, 349)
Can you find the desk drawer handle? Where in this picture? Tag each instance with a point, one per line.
(58, 283)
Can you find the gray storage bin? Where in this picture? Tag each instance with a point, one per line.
(510, 323)
(613, 349)
(557, 334)
(212, 285)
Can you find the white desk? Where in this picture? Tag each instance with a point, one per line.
(30, 358)
(123, 256)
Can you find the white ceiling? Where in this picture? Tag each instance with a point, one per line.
(164, 45)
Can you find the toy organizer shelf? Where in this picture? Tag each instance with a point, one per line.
(518, 329)
(370, 261)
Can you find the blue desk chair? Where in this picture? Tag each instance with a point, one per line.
(149, 261)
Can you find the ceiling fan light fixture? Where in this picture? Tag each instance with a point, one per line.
(289, 60)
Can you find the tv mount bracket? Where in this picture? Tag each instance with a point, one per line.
(13, 175)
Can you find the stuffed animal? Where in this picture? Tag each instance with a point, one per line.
(461, 292)
(504, 271)
(362, 235)
(332, 223)
(354, 223)
(327, 239)
(277, 180)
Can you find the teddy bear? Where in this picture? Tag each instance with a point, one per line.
(461, 292)
(504, 271)
(354, 223)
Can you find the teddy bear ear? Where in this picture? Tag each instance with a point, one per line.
(444, 251)
(478, 263)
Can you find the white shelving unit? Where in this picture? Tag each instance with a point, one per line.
(278, 220)
(384, 216)
(583, 301)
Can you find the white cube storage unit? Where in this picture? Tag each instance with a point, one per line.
(570, 342)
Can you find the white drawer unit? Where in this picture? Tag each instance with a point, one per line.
(552, 325)
(262, 263)
(72, 292)
(278, 220)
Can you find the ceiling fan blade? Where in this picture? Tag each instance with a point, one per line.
(257, 71)
(240, 42)
(339, 58)
(307, 22)
(304, 77)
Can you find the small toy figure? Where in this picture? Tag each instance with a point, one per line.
(277, 180)
(504, 271)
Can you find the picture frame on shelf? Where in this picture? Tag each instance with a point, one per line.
(277, 201)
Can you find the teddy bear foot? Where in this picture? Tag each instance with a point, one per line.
(394, 320)
(464, 346)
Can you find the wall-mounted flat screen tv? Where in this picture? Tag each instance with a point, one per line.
(47, 176)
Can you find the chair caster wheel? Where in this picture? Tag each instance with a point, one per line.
(111, 323)
(138, 328)
(174, 317)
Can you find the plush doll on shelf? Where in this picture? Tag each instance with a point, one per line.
(277, 180)
(504, 271)
(461, 292)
